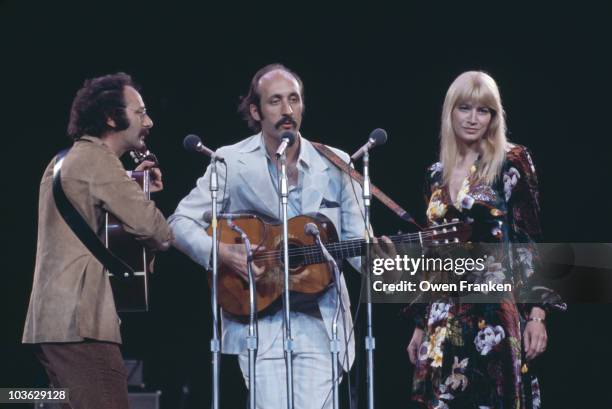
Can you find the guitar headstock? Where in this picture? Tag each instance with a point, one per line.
(142, 155)
(454, 231)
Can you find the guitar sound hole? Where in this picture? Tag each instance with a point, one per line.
(296, 256)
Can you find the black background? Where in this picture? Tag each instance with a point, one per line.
(363, 67)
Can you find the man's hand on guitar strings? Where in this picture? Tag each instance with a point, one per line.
(234, 256)
(155, 175)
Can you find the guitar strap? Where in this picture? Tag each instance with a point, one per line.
(80, 227)
(355, 175)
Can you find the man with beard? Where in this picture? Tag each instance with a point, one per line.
(273, 105)
(72, 317)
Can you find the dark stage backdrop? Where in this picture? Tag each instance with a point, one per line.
(363, 67)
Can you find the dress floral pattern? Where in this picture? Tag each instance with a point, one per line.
(472, 356)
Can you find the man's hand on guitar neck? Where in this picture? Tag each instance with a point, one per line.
(234, 256)
(155, 175)
(384, 248)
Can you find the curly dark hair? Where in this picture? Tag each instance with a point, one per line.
(98, 100)
(254, 98)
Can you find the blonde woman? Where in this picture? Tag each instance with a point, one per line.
(477, 355)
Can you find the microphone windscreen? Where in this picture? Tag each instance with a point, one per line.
(379, 136)
(290, 137)
(207, 217)
(311, 229)
(191, 142)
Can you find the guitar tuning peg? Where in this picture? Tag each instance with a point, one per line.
(445, 221)
(456, 240)
(455, 220)
(400, 232)
(497, 233)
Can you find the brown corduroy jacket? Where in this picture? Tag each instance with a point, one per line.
(71, 296)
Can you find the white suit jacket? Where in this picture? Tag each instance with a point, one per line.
(325, 189)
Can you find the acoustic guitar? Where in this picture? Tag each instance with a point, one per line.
(131, 294)
(309, 272)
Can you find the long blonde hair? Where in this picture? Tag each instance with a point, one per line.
(480, 88)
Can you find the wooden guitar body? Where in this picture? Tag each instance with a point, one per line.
(309, 273)
(130, 294)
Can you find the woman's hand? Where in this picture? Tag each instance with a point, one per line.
(415, 344)
(535, 337)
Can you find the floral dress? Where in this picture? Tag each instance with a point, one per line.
(472, 355)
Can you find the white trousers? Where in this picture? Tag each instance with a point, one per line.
(312, 381)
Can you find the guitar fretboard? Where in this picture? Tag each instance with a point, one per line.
(312, 254)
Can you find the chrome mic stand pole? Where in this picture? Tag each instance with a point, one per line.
(334, 343)
(370, 343)
(252, 337)
(215, 345)
(288, 341)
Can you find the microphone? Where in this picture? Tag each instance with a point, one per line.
(377, 137)
(247, 246)
(238, 230)
(311, 229)
(208, 216)
(193, 143)
(288, 139)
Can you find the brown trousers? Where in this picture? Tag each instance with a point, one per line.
(92, 371)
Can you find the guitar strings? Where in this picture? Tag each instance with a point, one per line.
(348, 246)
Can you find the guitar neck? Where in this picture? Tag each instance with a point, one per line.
(341, 250)
(356, 247)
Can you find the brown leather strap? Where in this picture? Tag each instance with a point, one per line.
(379, 194)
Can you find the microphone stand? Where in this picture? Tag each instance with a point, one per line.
(252, 337)
(288, 341)
(334, 343)
(215, 345)
(370, 343)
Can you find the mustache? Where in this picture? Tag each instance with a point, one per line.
(285, 120)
